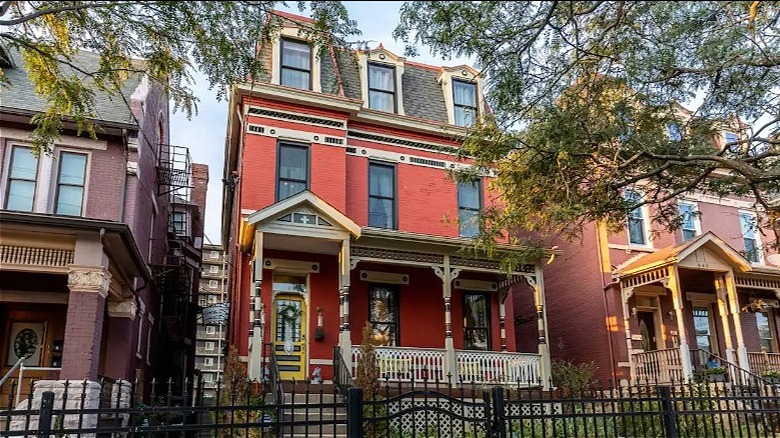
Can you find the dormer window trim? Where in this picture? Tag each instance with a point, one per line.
(293, 34)
(382, 58)
(448, 76)
(374, 88)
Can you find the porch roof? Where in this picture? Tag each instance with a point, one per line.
(677, 253)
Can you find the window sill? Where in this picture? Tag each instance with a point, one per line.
(638, 248)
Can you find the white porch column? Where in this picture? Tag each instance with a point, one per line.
(625, 295)
(673, 284)
(731, 291)
(256, 352)
(545, 367)
(723, 310)
(450, 361)
(345, 338)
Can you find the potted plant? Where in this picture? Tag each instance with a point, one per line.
(772, 376)
(717, 374)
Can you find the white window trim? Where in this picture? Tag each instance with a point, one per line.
(213, 284)
(211, 330)
(213, 269)
(294, 33)
(645, 225)
(208, 361)
(756, 235)
(55, 176)
(385, 57)
(214, 255)
(208, 344)
(696, 217)
(463, 73)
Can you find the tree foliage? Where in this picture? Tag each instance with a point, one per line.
(164, 40)
(586, 98)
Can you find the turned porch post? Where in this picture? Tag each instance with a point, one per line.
(731, 292)
(450, 361)
(255, 310)
(345, 339)
(723, 310)
(673, 284)
(545, 367)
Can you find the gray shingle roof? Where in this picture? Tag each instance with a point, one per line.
(20, 93)
(423, 95)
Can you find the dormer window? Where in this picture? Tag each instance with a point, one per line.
(465, 102)
(381, 87)
(296, 64)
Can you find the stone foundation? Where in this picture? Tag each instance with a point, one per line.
(67, 395)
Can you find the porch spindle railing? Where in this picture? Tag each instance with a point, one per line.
(659, 366)
(406, 363)
(763, 362)
(498, 367)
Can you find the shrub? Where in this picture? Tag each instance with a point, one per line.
(573, 379)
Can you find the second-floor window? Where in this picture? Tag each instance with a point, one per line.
(70, 184)
(636, 219)
(179, 222)
(22, 177)
(465, 102)
(381, 195)
(749, 226)
(381, 87)
(296, 64)
(469, 203)
(690, 220)
(293, 170)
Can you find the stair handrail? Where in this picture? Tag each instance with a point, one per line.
(276, 381)
(743, 373)
(11, 371)
(342, 376)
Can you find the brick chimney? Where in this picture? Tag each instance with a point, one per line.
(200, 182)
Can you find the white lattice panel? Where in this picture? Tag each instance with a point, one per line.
(445, 417)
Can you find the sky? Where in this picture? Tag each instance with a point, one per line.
(204, 133)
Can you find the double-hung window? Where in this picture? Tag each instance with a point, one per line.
(469, 203)
(381, 87)
(381, 195)
(749, 226)
(383, 314)
(476, 321)
(22, 176)
(179, 222)
(70, 183)
(211, 330)
(690, 220)
(293, 170)
(636, 219)
(296, 64)
(765, 331)
(464, 102)
(209, 346)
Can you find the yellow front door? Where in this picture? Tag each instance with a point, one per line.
(289, 337)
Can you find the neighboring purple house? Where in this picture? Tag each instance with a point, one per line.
(97, 278)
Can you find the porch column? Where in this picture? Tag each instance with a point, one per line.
(545, 367)
(673, 284)
(723, 310)
(625, 294)
(255, 361)
(345, 337)
(731, 292)
(450, 360)
(84, 322)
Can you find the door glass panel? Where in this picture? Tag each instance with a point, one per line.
(288, 320)
(701, 324)
(647, 330)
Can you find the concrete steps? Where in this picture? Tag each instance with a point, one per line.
(303, 407)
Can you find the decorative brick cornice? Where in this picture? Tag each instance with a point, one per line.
(89, 279)
(126, 308)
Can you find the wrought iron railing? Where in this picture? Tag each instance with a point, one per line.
(342, 376)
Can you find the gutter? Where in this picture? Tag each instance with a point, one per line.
(106, 123)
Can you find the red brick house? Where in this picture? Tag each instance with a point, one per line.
(339, 212)
(651, 305)
(90, 260)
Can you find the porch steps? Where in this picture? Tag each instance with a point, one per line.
(298, 412)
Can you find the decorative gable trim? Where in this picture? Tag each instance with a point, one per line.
(322, 208)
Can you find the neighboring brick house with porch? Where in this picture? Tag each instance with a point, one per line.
(339, 211)
(646, 304)
(85, 239)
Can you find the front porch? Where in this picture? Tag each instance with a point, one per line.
(700, 309)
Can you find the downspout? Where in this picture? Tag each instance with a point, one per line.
(123, 195)
(604, 287)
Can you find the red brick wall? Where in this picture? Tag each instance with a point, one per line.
(106, 177)
(83, 331)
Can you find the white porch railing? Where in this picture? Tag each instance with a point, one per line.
(498, 367)
(660, 366)
(762, 362)
(406, 363)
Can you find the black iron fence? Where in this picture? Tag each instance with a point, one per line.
(398, 410)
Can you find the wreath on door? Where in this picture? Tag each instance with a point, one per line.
(288, 313)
